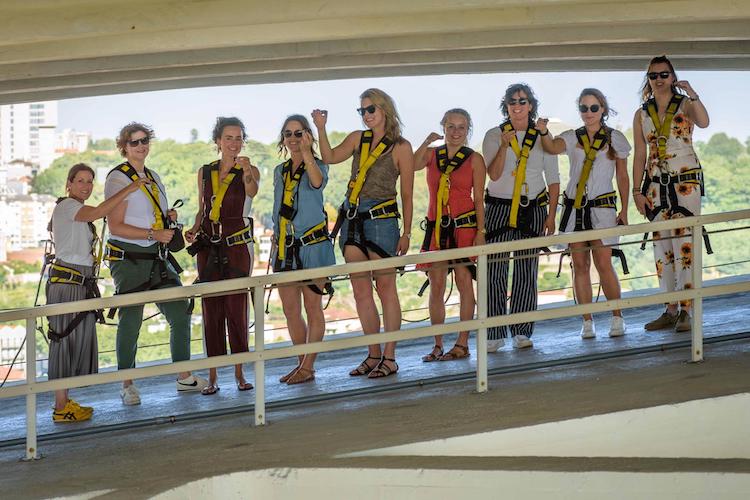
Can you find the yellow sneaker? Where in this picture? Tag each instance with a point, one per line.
(84, 408)
(71, 413)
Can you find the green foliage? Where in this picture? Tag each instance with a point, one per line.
(722, 145)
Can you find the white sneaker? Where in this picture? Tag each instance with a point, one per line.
(587, 330)
(130, 395)
(617, 327)
(494, 345)
(522, 342)
(191, 384)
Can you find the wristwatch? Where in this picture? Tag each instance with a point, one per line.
(406, 235)
(150, 236)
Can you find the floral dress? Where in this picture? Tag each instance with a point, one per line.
(673, 256)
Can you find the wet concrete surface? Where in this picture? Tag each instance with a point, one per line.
(137, 463)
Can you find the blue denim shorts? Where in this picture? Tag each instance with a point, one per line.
(380, 235)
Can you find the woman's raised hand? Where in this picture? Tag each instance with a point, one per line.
(320, 117)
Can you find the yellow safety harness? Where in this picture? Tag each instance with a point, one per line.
(662, 128)
(590, 149)
(152, 194)
(219, 189)
(522, 155)
(446, 167)
(367, 159)
(286, 209)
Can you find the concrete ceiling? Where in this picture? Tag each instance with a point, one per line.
(51, 49)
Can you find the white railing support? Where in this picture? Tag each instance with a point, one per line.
(31, 449)
(697, 309)
(260, 364)
(482, 332)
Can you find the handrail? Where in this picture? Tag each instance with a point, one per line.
(258, 283)
(225, 287)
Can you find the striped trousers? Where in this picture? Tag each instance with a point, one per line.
(525, 266)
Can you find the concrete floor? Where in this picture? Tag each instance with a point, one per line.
(149, 460)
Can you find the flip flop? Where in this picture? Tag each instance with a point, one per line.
(210, 389)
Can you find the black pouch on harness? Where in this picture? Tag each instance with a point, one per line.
(201, 242)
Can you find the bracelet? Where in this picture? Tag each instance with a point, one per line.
(693, 99)
(545, 133)
(406, 235)
(150, 235)
(483, 230)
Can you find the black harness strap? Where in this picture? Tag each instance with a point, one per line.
(525, 214)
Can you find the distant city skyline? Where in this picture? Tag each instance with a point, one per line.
(421, 101)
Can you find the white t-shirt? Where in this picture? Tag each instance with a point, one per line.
(603, 169)
(541, 168)
(73, 239)
(140, 211)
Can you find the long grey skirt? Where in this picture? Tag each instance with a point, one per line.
(78, 353)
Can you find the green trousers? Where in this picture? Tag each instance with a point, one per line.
(128, 275)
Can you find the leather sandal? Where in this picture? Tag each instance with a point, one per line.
(364, 368)
(301, 376)
(456, 352)
(288, 375)
(434, 355)
(383, 370)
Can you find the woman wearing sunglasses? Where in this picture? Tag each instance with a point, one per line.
(521, 174)
(301, 239)
(368, 218)
(222, 239)
(597, 154)
(455, 219)
(672, 185)
(139, 259)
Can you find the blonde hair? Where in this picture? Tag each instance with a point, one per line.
(393, 122)
(460, 112)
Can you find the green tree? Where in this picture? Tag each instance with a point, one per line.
(193, 135)
(722, 145)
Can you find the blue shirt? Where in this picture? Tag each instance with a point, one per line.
(308, 201)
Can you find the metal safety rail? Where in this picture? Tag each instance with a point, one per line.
(260, 354)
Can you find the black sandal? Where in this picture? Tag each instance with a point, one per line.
(382, 369)
(434, 355)
(364, 368)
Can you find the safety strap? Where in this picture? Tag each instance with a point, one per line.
(242, 237)
(590, 149)
(446, 167)
(291, 260)
(219, 188)
(65, 275)
(583, 214)
(286, 209)
(59, 274)
(663, 128)
(522, 157)
(160, 221)
(367, 159)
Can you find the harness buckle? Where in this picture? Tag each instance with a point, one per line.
(661, 140)
(665, 179)
(216, 232)
(351, 212)
(445, 221)
(524, 201)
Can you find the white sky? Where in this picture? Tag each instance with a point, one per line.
(421, 101)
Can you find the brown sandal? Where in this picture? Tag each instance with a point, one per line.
(434, 355)
(301, 376)
(364, 368)
(288, 375)
(457, 352)
(382, 370)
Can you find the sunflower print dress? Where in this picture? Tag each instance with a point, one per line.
(673, 256)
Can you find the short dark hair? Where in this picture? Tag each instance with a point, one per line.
(227, 121)
(124, 136)
(520, 87)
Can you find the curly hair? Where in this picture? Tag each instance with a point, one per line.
(128, 130)
(520, 87)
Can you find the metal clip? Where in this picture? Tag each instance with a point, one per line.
(665, 179)
(215, 232)
(524, 196)
(351, 213)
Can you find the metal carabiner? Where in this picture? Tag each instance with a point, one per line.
(528, 201)
(351, 212)
(215, 232)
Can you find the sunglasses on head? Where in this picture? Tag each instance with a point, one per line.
(142, 140)
(521, 101)
(295, 133)
(369, 109)
(653, 75)
(585, 109)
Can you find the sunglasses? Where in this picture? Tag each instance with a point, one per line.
(662, 74)
(521, 101)
(369, 109)
(585, 109)
(143, 140)
(296, 133)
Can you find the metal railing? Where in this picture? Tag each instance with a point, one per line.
(260, 354)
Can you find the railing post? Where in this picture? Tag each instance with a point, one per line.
(31, 449)
(482, 332)
(260, 365)
(697, 279)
